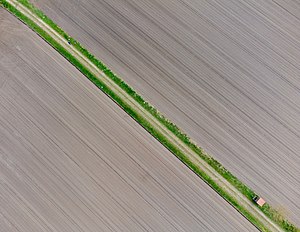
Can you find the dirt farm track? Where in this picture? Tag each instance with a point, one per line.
(71, 160)
(226, 72)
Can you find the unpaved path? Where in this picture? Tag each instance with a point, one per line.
(223, 183)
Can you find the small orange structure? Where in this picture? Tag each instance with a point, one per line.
(258, 200)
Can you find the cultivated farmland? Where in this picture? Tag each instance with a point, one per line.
(226, 72)
(71, 160)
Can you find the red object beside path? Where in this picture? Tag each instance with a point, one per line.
(260, 202)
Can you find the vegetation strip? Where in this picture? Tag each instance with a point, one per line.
(180, 146)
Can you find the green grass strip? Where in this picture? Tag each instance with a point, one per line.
(245, 190)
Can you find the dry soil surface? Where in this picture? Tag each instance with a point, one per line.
(226, 72)
(71, 160)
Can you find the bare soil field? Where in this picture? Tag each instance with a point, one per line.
(226, 72)
(71, 160)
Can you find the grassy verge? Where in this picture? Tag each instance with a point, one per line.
(271, 213)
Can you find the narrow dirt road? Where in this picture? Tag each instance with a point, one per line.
(223, 183)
